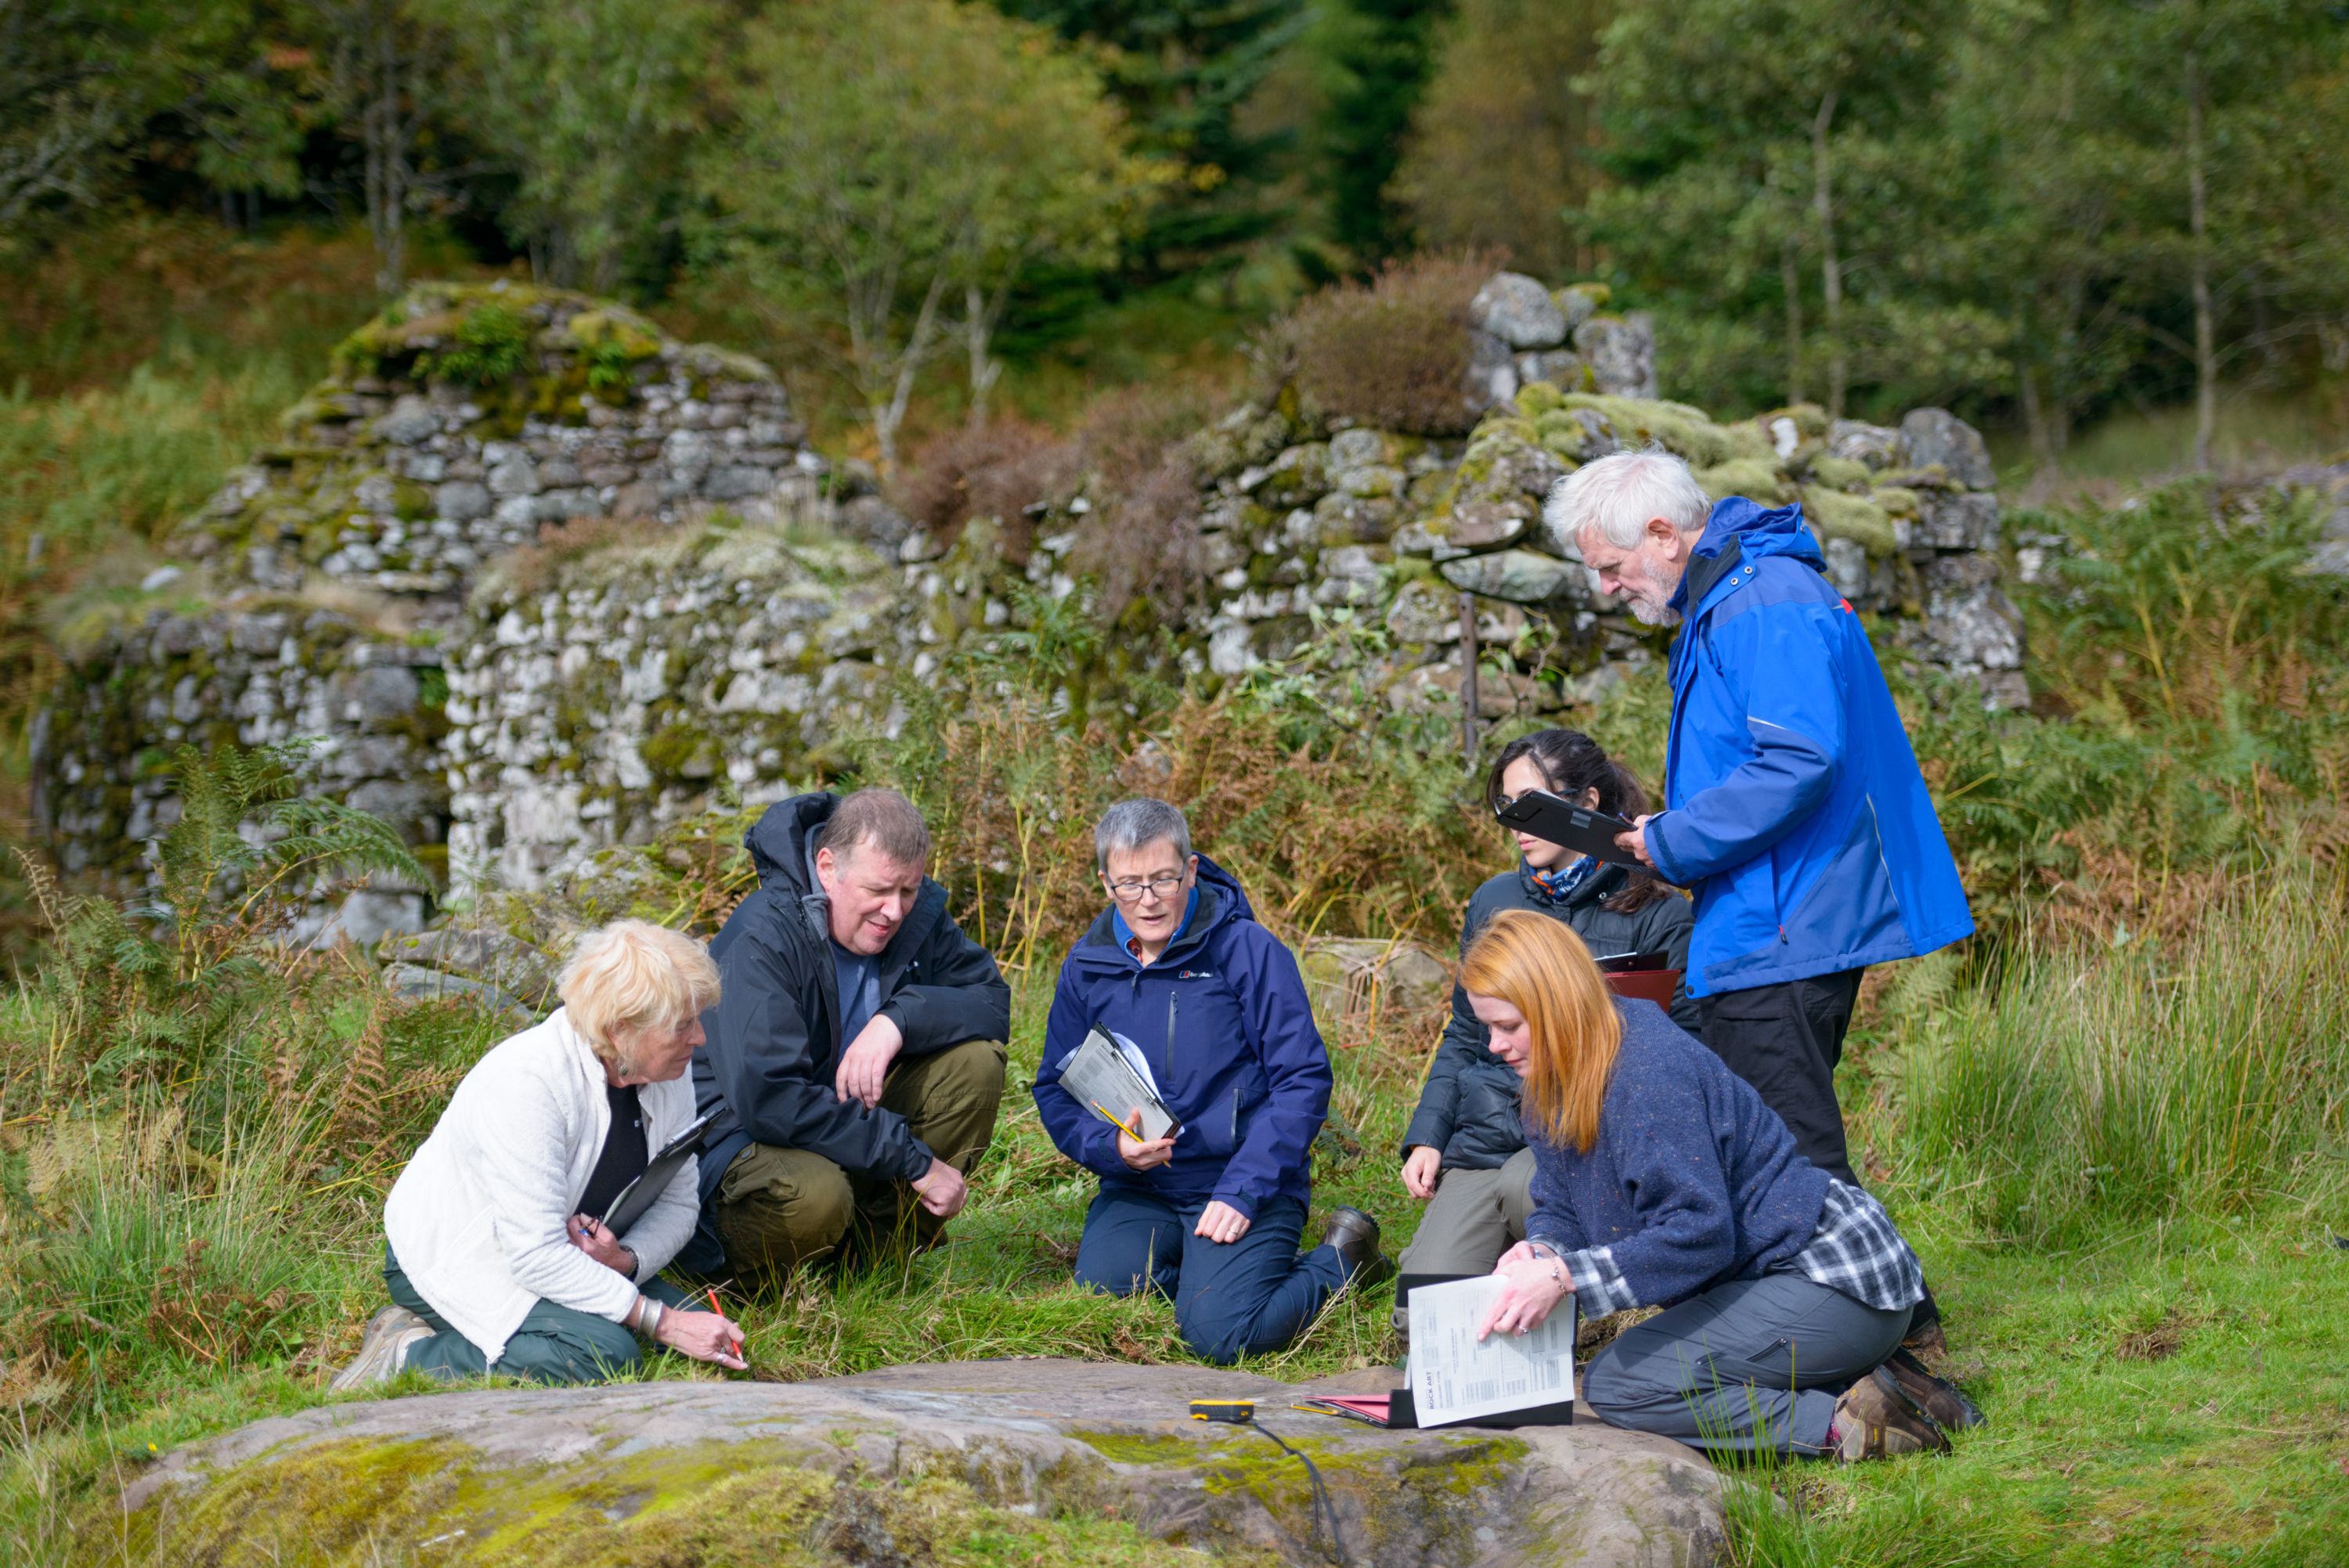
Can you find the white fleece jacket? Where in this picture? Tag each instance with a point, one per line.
(477, 1219)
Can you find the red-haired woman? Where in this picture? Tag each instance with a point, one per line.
(1661, 1179)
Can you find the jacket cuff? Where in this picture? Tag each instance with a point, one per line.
(1239, 1203)
(1666, 866)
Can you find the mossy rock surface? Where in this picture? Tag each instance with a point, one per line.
(1033, 1461)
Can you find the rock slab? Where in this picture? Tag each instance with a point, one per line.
(1039, 1435)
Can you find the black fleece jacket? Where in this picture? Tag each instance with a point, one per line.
(774, 1035)
(1468, 1109)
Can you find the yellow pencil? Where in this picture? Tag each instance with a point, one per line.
(1132, 1132)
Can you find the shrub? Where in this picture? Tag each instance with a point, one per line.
(1392, 352)
(1140, 544)
(998, 469)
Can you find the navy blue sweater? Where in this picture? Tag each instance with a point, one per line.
(1693, 1181)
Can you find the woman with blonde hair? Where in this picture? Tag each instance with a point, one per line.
(1661, 1179)
(496, 1258)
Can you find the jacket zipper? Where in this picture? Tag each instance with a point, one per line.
(1173, 997)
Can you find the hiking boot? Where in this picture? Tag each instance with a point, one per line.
(1876, 1420)
(1355, 1235)
(1925, 1336)
(1940, 1400)
(382, 1348)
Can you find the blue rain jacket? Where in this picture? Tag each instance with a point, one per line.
(1222, 1019)
(1793, 809)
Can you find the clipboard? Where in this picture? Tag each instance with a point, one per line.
(1561, 821)
(659, 1171)
(1097, 1074)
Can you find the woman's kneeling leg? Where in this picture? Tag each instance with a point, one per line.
(1245, 1297)
(1746, 1366)
(1133, 1243)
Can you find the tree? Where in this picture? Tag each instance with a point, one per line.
(591, 103)
(383, 81)
(1501, 144)
(891, 157)
(1742, 133)
(1185, 71)
(1375, 57)
(81, 81)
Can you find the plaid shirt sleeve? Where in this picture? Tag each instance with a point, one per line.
(1599, 1286)
(1856, 1251)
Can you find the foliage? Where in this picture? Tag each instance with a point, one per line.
(1390, 352)
(895, 160)
(998, 469)
(1375, 57)
(1187, 72)
(1506, 78)
(492, 345)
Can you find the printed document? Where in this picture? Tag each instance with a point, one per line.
(1455, 1378)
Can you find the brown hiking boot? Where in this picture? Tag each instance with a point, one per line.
(1940, 1400)
(1876, 1420)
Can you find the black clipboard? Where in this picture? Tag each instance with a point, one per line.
(1561, 821)
(644, 1191)
(1632, 963)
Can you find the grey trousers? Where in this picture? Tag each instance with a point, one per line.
(1750, 1365)
(1474, 1218)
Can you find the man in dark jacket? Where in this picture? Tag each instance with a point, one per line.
(855, 1056)
(1794, 807)
(1209, 1009)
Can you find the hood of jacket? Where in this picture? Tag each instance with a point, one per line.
(1741, 530)
(781, 841)
(1222, 901)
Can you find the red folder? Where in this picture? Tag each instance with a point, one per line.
(1645, 984)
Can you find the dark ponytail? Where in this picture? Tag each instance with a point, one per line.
(1570, 762)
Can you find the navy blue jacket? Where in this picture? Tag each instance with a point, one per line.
(1223, 1021)
(1693, 1181)
(1793, 807)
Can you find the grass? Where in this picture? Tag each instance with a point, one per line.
(2257, 432)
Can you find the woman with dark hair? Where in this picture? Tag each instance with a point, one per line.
(1464, 1151)
(1661, 1179)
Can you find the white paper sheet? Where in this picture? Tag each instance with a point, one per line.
(1455, 1378)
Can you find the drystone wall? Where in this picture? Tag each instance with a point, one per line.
(536, 616)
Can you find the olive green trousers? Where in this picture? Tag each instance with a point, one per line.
(778, 1208)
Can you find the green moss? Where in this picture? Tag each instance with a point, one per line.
(1839, 515)
(1840, 473)
(1746, 477)
(1896, 501)
(1810, 421)
(1539, 397)
(1681, 429)
(1137, 1448)
(670, 750)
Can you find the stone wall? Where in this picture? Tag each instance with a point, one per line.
(704, 622)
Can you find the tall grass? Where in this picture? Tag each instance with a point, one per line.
(2127, 1082)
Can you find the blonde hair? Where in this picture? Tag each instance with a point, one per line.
(1539, 966)
(633, 975)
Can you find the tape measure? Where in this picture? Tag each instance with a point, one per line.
(1237, 1412)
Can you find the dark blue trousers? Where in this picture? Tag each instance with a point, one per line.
(1234, 1299)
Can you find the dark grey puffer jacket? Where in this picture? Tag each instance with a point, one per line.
(1468, 1107)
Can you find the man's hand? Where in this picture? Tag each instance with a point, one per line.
(590, 1237)
(1419, 1168)
(1219, 1221)
(1531, 1288)
(1142, 1153)
(865, 1063)
(942, 1189)
(1636, 841)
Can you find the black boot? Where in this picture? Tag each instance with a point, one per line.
(1355, 1235)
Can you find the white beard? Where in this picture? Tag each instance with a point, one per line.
(1649, 615)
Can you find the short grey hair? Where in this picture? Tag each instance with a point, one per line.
(1615, 496)
(1137, 824)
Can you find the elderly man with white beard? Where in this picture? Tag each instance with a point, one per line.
(1794, 810)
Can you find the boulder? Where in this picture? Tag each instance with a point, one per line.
(1621, 353)
(481, 954)
(1935, 438)
(1352, 977)
(894, 1467)
(1520, 576)
(1518, 310)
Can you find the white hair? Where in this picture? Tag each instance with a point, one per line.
(1616, 496)
(633, 975)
